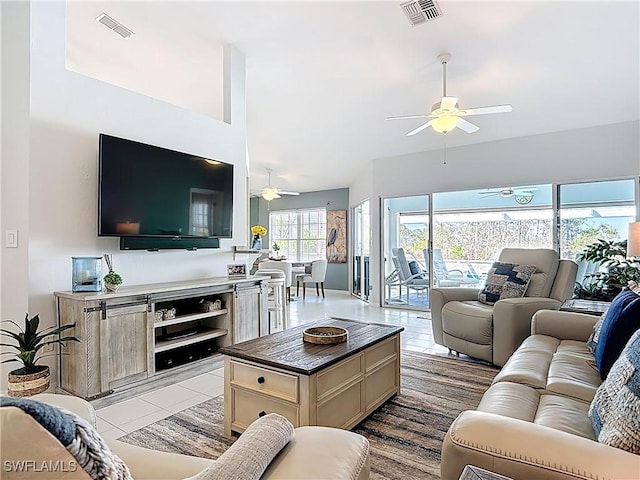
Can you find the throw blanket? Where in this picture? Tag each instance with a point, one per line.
(77, 435)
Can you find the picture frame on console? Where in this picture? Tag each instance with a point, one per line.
(237, 270)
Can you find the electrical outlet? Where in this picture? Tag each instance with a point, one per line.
(48, 348)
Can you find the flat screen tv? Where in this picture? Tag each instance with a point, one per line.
(149, 192)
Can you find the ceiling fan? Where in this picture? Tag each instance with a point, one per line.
(445, 115)
(522, 195)
(269, 192)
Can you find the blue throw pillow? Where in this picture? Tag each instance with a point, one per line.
(415, 269)
(620, 322)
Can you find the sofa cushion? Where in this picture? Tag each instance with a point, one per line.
(414, 268)
(525, 403)
(469, 320)
(621, 321)
(562, 367)
(57, 435)
(615, 410)
(505, 280)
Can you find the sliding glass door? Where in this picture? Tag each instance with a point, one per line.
(361, 242)
(406, 231)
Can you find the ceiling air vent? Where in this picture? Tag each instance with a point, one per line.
(421, 11)
(114, 25)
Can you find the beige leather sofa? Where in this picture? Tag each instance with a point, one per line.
(313, 453)
(493, 332)
(533, 423)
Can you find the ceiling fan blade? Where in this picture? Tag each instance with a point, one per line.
(466, 126)
(448, 103)
(489, 194)
(486, 110)
(408, 116)
(288, 193)
(419, 129)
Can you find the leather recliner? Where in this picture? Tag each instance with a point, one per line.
(493, 332)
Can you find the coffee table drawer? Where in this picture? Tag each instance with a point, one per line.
(271, 383)
(248, 407)
(338, 375)
(380, 353)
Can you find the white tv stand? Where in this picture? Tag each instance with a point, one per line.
(124, 349)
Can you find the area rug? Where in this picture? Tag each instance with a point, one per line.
(405, 434)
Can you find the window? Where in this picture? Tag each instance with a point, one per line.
(301, 234)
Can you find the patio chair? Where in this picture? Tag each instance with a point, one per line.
(445, 277)
(418, 281)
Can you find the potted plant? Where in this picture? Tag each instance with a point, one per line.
(112, 280)
(276, 249)
(32, 378)
(618, 270)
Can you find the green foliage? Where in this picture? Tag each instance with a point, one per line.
(276, 247)
(457, 252)
(113, 278)
(29, 341)
(619, 270)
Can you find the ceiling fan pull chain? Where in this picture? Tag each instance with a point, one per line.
(445, 149)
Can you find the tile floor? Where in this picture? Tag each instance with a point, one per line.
(129, 415)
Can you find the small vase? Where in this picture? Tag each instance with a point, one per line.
(257, 243)
(111, 287)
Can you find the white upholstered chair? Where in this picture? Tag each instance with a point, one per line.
(317, 276)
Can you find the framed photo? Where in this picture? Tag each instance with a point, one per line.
(237, 270)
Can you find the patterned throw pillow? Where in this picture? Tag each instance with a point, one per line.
(592, 343)
(506, 280)
(615, 409)
(620, 322)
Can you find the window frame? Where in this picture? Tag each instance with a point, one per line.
(299, 229)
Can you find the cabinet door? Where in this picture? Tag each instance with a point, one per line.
(248, 313)
(123, 345)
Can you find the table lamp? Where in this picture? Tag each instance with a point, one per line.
(633, 241)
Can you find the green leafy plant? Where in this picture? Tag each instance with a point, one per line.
(619, 269)
(29, 341)
(113, 278)
(276, 247)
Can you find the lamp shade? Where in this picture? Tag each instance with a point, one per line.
(633, 242)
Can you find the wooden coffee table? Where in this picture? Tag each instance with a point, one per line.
(334, 385)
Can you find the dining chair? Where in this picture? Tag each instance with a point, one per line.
(317, 275)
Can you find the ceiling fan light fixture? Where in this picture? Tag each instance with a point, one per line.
(270, 194)
(444, 123)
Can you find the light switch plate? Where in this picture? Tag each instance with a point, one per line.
(11, 238)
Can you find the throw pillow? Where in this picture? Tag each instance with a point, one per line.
(253, 452)
(595, 334)
(615, 409)
(620, 322)
(414, 267)
(505, 280)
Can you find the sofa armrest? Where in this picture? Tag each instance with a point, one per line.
(563, 325)
(523, 450)
(76, 405)
(437, 299)
(512, 323)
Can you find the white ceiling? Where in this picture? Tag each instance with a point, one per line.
(322, 76)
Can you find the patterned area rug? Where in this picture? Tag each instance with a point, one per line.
(405, 434)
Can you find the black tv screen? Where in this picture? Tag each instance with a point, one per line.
(150, 191)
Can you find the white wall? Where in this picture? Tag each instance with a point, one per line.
(14, 164)
(67, 113)
(608, 151)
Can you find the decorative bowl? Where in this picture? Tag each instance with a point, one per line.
(325, 335)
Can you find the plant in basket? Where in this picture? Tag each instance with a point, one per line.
(32, 378)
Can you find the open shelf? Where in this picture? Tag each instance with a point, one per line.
(189, 318)
(164, 345)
